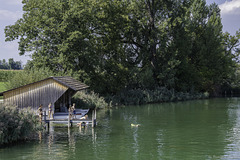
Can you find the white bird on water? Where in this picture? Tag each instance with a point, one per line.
(135, 125)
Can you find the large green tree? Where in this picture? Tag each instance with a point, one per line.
(113, 45)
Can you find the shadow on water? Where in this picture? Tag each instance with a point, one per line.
(201, 129)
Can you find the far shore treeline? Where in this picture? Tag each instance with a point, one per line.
(11, 64)
(142, 51)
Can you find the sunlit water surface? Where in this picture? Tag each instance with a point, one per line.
(201, 129)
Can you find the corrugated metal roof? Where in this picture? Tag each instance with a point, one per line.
(66, 81)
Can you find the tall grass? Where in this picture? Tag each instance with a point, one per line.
(16, 124)
(158, 95)
(134, 97)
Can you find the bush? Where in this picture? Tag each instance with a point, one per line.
(17, 124)
(89, 100)
(158, 95)
(5, 75)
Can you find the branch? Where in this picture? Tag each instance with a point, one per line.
(131, 42)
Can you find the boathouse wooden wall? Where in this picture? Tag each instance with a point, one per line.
(33, 95)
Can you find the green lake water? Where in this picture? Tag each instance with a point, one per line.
(194, 130)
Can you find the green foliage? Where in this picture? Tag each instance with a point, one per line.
(5, 75)
(16, 124)
(162, 94)
(2, 87)
(118, 45)
(89, 100)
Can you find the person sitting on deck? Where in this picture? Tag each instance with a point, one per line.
(84, 117)
(40, 112)
(50, 111)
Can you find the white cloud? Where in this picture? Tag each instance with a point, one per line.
(230, 7)
(9, 15)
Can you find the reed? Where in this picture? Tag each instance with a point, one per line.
(158, 95)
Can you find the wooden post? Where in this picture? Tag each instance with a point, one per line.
(69, 98)
(95, 114)
(94, 118)
(69, 118)
(48, 125)
(45, 116)
(53, 110)
(45, 120)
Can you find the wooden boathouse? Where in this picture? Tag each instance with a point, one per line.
(55, 90)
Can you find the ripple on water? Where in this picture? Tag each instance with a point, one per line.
(207, 129)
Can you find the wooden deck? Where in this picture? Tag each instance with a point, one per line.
(63, 117)
(65, 121)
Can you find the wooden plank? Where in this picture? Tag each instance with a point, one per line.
(66, 121)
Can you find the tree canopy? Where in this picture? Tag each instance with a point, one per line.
(116, 45)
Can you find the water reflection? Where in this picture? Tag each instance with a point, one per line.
(71, 141)
(232, 150)
(94, 137)
(205, 129)
(135, 144)
(40, 136)
(194, 130)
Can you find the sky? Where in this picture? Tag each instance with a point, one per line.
(11, 11)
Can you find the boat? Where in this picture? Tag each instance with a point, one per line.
(64, 115)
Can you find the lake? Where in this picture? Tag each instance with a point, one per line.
(199, 129)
